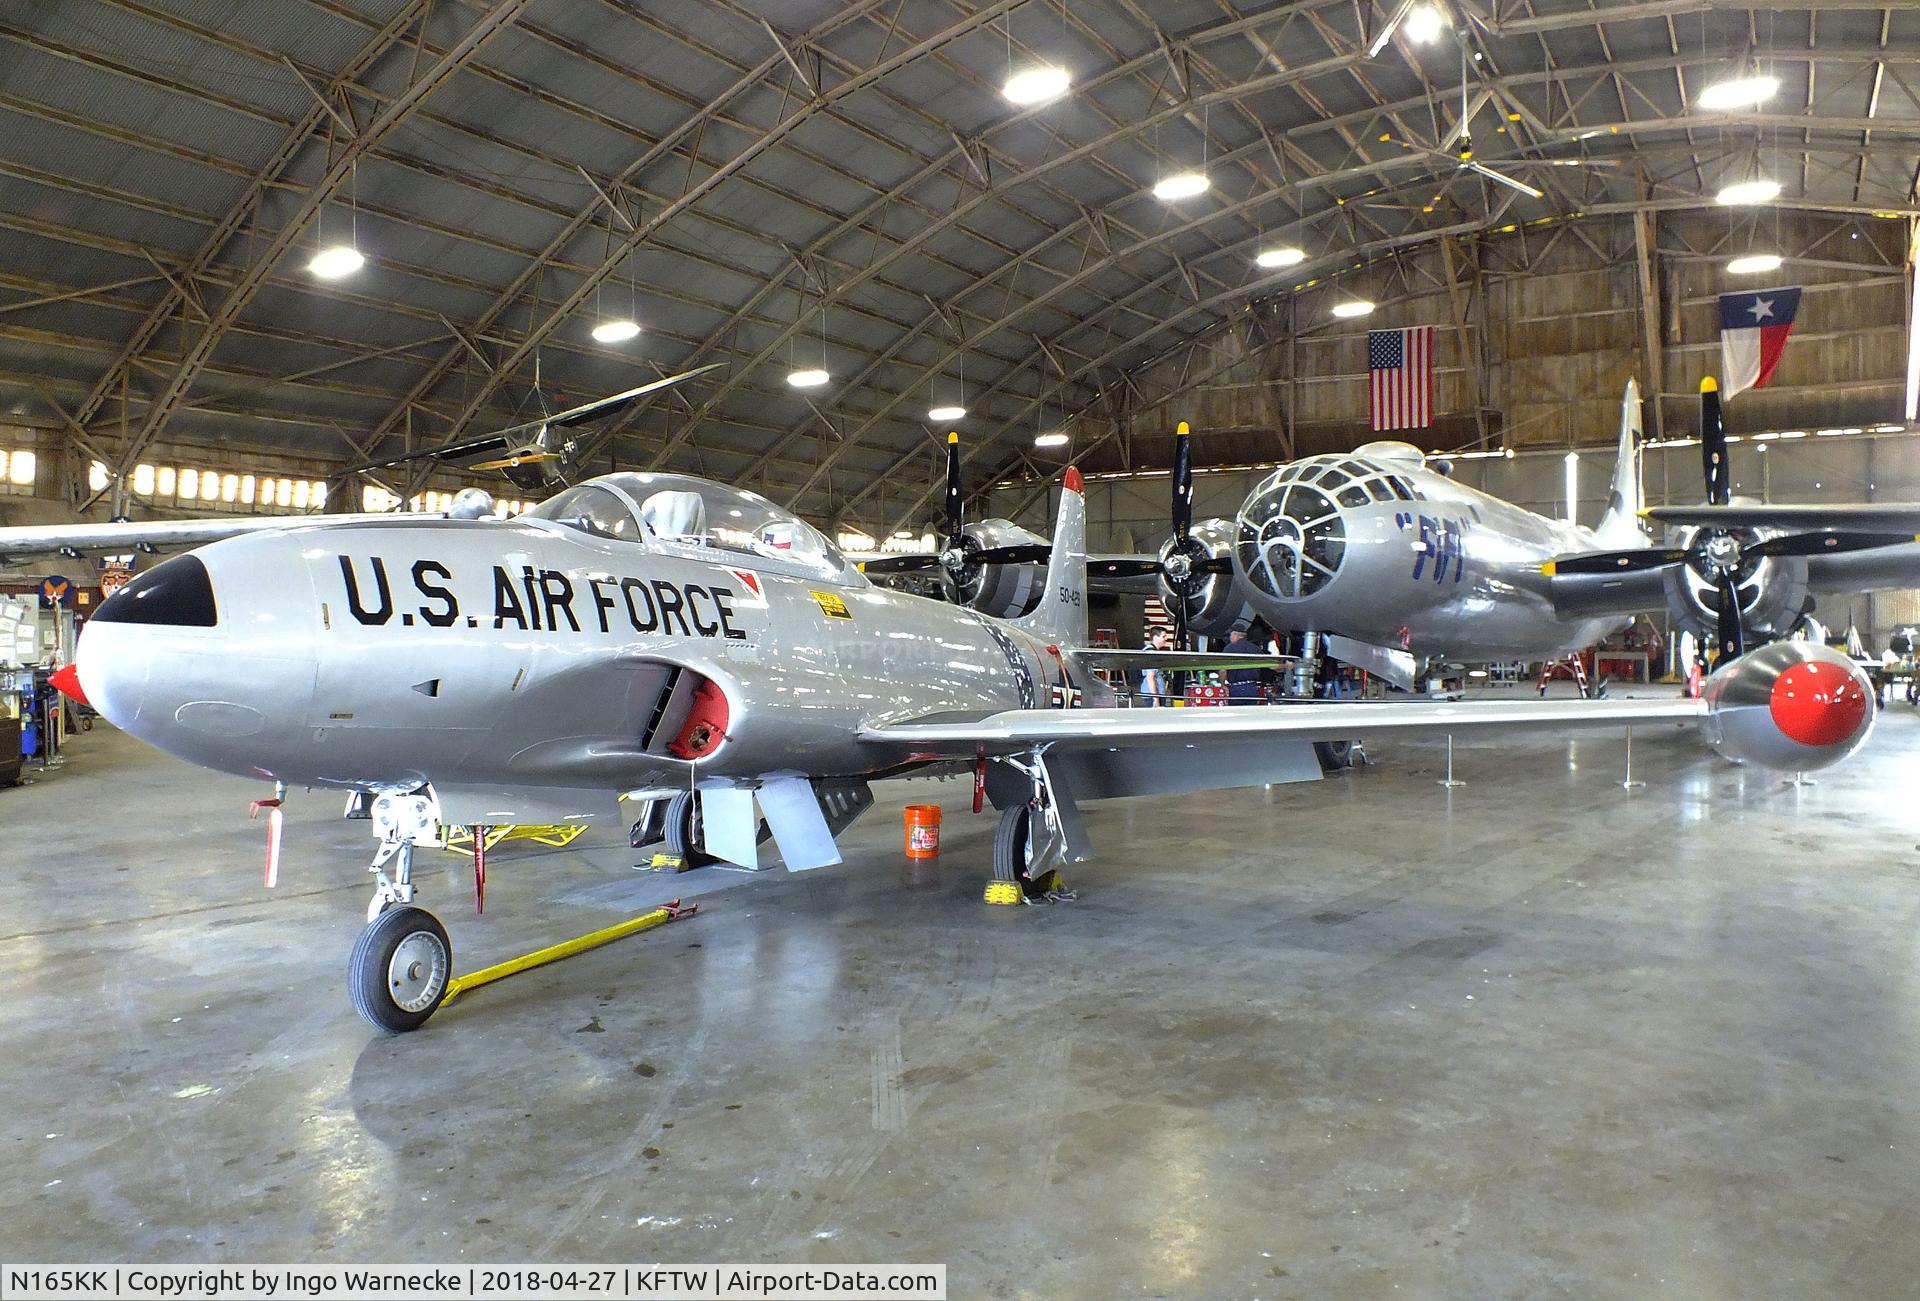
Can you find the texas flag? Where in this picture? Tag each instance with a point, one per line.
(1753, 331)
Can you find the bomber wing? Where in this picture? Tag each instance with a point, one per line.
(1880, 517)
(1173, 661)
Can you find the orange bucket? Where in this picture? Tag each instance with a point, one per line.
(923, 830)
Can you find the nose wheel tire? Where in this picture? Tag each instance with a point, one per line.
(399, 970)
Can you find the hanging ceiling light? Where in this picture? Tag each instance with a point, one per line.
(615, 331)
(1424, 24)
(336, 261)
(1052, 438)
(1280, 257)
(1352, 307)
(1036, 85)
(1736, 92)
(1754, 263)
(812, 377)
(948, 412)
(1742, 193)
(1181, 185)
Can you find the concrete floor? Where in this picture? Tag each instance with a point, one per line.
(1532, 1037)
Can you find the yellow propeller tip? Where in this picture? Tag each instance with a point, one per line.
(953, 436)
(1183, 430)
(1549, 569)
(1709, 385)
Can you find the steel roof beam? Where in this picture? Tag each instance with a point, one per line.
(330, 183)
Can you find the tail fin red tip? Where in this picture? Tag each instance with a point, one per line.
(1074, 482)
(67, 682)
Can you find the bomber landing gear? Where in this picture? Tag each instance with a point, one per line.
(400, 966)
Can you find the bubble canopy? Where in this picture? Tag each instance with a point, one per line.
(684, 514)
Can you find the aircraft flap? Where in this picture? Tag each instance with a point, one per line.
(728, 827)
(799, 826)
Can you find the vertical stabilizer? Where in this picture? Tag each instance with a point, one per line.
(1620, 526)
(1061, 616)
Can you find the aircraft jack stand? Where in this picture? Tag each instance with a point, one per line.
(670, 911)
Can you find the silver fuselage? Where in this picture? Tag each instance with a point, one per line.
(391, 654)
(1446, 572)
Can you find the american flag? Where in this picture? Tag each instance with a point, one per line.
(1400, 374)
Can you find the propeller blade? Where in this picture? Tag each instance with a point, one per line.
(955, 523)
(1532, 192)
(527, 457)
(1122, 568)
(902, 564)
(1616, 562)
(1830, 543)
(1180, 616)
(1214, 565)
(1713, 445)
(1026, 553)
(1182, 481)
(1732, 639)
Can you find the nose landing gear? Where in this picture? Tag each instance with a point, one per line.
(398, 973)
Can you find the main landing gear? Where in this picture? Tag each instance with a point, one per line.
(403, 961)
(1022, 844)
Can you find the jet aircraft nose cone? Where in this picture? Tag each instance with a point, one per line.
(67, 682)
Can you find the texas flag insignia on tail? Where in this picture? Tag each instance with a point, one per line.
(1753, 332)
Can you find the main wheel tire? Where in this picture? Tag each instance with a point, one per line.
(683, 831)
(1010, 845)
(1334, 756)
(400, 969)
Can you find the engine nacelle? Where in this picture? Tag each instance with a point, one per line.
(1003, 591)
(1791, 705)
(1214, 602)
(1773, 591)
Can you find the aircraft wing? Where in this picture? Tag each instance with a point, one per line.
(945, 735)
(1172, 661)
(1593, 596)
(1124, 572)
(1865, 517)
(113, 538)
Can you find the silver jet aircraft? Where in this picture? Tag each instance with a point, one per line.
(697, 647)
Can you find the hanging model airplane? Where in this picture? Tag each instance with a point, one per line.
(537, 453)
(697, 647)
(533, 455)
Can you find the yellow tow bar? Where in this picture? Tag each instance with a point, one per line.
(670, 911)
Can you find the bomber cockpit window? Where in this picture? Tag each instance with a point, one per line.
(592, 510)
